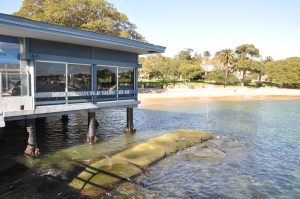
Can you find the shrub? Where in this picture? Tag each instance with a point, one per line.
(219, 77)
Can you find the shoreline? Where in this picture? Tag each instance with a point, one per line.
(229, 93)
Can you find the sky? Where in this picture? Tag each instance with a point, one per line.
(271, 25)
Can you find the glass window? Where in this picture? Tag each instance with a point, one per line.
(14, 81)
(14, 84)
(9, 53)
(79, 79)
(50, 77)
(126, 80)
(107, 81)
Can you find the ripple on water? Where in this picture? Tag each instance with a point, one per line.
(260, 140)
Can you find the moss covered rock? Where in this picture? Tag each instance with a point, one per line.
(193, 136)
(100, 175)
(169, 142)
(103, 173)
(142, 154)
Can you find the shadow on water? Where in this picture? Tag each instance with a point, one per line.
(20, 181)
(95, 171)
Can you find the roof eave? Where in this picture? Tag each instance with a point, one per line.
(31, 29)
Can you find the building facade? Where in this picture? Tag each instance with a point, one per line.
(48, 69)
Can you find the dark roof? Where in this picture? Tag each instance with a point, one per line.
(21, 27)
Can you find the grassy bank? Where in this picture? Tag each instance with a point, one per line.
(161, 83)
(144, 83)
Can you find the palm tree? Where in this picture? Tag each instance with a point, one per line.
(268, 59)
(227, 58)
(206, 55)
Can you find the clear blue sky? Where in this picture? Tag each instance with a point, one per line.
(271, 25)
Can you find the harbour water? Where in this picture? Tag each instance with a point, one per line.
(259, 141)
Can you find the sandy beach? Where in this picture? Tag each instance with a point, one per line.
(229, 93)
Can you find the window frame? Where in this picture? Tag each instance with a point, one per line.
(94, 93)
(21, 69)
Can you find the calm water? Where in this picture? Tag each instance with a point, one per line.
(260, 140)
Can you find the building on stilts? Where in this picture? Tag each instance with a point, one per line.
(48, 70)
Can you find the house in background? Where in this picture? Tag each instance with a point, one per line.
(210, 65)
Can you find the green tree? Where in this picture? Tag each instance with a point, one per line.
(197, 57)
(152, 66)
(243, 66)
(259, 68)
(189, 69)
(268, 59)
(246, 51)
(285, 72)
(227, 58)
(93, 15)
(160, 67)
(206, 54)
(219, 78)
(185, 54)
(252, 66)
(245, 54)
(173, 69)
(189, 64)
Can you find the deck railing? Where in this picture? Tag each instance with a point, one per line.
(49, 98)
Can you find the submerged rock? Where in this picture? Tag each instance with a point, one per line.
(214, 149)
(225, 143)
(97, 177)
(169, 142)
(142, 155)
(207, 153)
(101, 175)
(232, 143)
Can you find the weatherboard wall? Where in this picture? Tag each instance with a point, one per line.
(58, 51)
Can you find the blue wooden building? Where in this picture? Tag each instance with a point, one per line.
(48, 70)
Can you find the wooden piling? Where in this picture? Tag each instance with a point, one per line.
(65, 118)
(1, 134)
(31, 149)
(129, 127)
(91, 135)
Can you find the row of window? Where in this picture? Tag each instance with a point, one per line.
(61, 77)
(53, 77)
